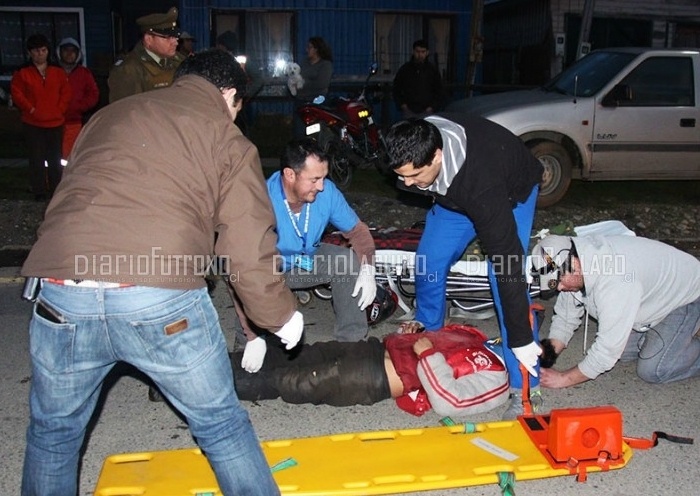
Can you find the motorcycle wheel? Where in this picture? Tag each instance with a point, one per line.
(339, 165)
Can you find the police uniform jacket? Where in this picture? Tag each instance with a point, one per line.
(152, 179)
(138, 72)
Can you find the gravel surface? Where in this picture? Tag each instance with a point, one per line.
(675, 222)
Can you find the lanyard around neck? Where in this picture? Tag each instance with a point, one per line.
(293, 219)
(302, 234)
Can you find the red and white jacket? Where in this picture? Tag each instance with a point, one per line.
(459, 376)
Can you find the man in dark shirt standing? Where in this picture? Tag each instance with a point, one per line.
(417, 85)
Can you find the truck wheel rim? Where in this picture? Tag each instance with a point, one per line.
(551, 176)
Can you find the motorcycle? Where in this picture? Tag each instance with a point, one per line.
(346, 131)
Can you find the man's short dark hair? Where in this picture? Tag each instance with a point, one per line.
(420, 44)
(37, 41)
(295, 153)
(413, 141)
(217, 66)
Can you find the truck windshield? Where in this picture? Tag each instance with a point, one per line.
(593, 71)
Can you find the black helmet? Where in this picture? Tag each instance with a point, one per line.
(383, 306)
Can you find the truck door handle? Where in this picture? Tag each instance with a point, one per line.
(687, 122)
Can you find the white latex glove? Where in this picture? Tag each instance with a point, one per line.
(291, 332)
(254, 355)
(366, 283)
(527, 355)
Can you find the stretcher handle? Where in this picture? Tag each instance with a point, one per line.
(527, 406)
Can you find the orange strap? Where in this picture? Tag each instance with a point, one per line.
(641, 443)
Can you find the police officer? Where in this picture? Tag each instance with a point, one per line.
(152, 63)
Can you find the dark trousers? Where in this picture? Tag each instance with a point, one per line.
(331, 373)
(44, 145)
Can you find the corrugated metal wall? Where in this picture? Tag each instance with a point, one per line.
(98, 23)
(347, 26)
(98, 34)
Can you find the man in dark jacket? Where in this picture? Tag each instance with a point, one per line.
(485, 183)
(418, 85)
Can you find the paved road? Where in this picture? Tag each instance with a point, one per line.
(126, 421)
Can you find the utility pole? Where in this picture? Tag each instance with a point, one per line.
(584, 45)
(476, 46)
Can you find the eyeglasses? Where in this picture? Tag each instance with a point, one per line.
(164, 36)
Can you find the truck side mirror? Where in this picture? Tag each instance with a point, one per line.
(619, 93)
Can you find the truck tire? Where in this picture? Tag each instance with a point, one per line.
(557, 171)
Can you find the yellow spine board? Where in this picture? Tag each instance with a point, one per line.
(362, 463)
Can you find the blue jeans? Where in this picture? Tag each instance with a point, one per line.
(175, 338)
(447, 234)
(340, 267)
(670, 351)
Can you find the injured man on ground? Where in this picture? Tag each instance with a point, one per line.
(451, 371)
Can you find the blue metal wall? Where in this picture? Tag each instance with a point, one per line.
(347, 25)
(98, 23)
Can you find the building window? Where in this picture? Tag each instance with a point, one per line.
(265, 38)
(394, 35)
(18, 23)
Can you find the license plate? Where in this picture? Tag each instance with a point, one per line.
(313, 129)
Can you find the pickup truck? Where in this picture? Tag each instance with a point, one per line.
(616, 114)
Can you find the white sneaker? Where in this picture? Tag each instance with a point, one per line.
(515, 407)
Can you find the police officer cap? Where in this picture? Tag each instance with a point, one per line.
(164, 24)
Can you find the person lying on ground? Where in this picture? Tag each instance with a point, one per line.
(451, 370)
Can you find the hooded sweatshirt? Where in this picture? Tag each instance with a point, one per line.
(82, 82)
(630, 283)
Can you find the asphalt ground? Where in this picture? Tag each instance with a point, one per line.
(126, 421)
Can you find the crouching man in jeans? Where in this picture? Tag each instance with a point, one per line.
(122, 252)
(644, 294)
(305, 202)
